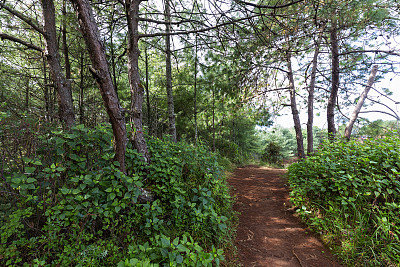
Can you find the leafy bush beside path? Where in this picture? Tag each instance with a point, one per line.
(350, 192)
(67, 204)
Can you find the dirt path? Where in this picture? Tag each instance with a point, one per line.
(269, 234)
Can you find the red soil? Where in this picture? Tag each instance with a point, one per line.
(269, 234)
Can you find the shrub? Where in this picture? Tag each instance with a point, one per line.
(350, 191)
(68, 204)
(272, 153)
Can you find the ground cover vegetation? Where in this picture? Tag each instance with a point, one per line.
(67, 203)
(349, 192)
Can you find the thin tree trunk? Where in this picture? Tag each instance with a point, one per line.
(213, 119)
(81, 84)
(46, 92)
(62, 85)
(137, 89)
(114, 75)
(354, 116)
(101, 72)
(168, 73)
(195, 95)
(295, 112)
(311, 89)
(146, 56)
(67, 64)
(335, 80)
(27, 95)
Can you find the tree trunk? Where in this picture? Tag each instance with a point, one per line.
(81, 85)
(311, 89)
(146, 56)
(137, 89)
(101, 72)
(354, 116)
(168, 73)
(46, 93)
(295, 112)
(113, 64)
(64, 42)
(335, 80)
(213, 119)
(62, 85)
(195, 95)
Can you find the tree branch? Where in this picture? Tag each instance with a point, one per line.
(27, 20)
(383, 112)
(165, 22)
(196, 31)
(389, 52)
(269, 7)
(17, 40)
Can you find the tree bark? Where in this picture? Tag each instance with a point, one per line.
(311, 89)
(293, 106)
(195, 95)
(213, 119)
(62, 85)
(81, 85)
(168, 72)
(146, 56)
(335, 80)
(101, 72)
(137, 89)
(354, 116)
(67, 64)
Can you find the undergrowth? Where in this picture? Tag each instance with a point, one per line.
(350, 192)
(64, 202)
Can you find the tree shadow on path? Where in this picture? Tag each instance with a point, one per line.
(269, 234)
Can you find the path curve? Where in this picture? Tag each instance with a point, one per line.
(269, 234)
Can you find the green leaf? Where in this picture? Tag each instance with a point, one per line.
(64, 190)
(26, 160)
(117, 209)
(37, 163)
(29, 170)
(31, 180)
(179, 259)
(165, 242)
(76, 191)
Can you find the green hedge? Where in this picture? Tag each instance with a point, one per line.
(69, 205)
(350, 192)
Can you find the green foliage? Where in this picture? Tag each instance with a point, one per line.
(350, 192)
(277, 145)
(68, 204)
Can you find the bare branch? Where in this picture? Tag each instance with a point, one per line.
(383, 112)
(17, 40)
(269, 7)
(27, 20)
(389, 52)
(165, 22)
(197, 31)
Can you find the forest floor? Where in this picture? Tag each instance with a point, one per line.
(269, 234)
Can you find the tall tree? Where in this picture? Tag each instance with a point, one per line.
(354, 116)
(330, 110)
(101, 73)
(62, 84)
(293, 106)
(137, 89)
(168, 72)
(311, 90)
